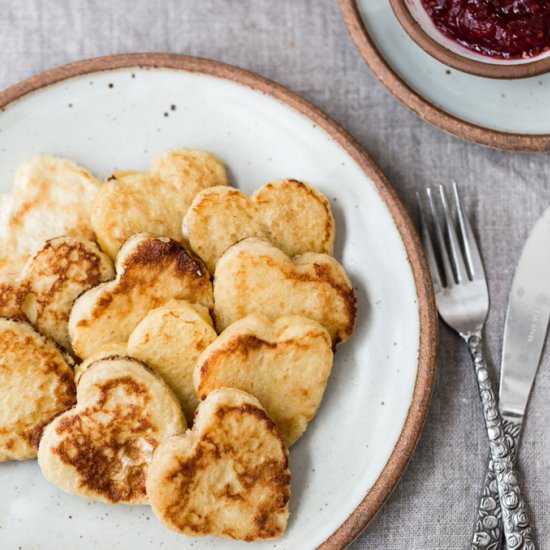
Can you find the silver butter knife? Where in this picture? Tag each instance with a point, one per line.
(525, 332)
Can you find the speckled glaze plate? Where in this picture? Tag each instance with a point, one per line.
(507, 114)
(121, 111)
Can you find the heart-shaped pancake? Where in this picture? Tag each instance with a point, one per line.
(51, 197)
(228, 476)
(154, 201)
(253, 276)
(169, 340)
(294, 216)
(36, 384)
(58, 272)
(102, 448)
(61, 270)
(150, 271)
(285, 364)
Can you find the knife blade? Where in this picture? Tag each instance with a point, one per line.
(525, 330)
(526, 322)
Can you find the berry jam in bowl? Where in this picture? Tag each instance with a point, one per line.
(491, 38)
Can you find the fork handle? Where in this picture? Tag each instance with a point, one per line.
(517, 527)
(488, 525)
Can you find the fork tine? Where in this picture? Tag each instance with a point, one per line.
(473, 257)
(447, 267)
(428, 246)
(454, 245)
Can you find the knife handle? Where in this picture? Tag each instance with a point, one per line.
(515, 519)
(488, 525)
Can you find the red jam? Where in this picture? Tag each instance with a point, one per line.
(506, 29)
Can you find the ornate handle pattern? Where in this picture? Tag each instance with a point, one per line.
(488, 526)
(517, 527)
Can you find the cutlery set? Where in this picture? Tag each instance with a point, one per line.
(462, 300)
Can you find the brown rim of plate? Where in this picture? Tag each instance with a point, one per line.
(426, 110)
(418, 409)
(462, 63)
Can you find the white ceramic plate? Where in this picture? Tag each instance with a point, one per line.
(373, 410)
(505, 113)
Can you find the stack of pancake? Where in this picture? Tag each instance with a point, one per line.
(165, 338)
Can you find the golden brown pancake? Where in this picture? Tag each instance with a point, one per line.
(169, 340)
(285, 364)
(253, 276)
(294, 216)
(150, 271)
(101, 449)
(154, 201)
(36, 384)
(61, 270)
(51, 197)
(228, 476)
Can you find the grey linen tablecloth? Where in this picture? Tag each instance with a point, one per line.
(305, 46)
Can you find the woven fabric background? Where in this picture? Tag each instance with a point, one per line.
(304, 45)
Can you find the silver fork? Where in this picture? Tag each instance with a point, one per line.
(463, 303)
